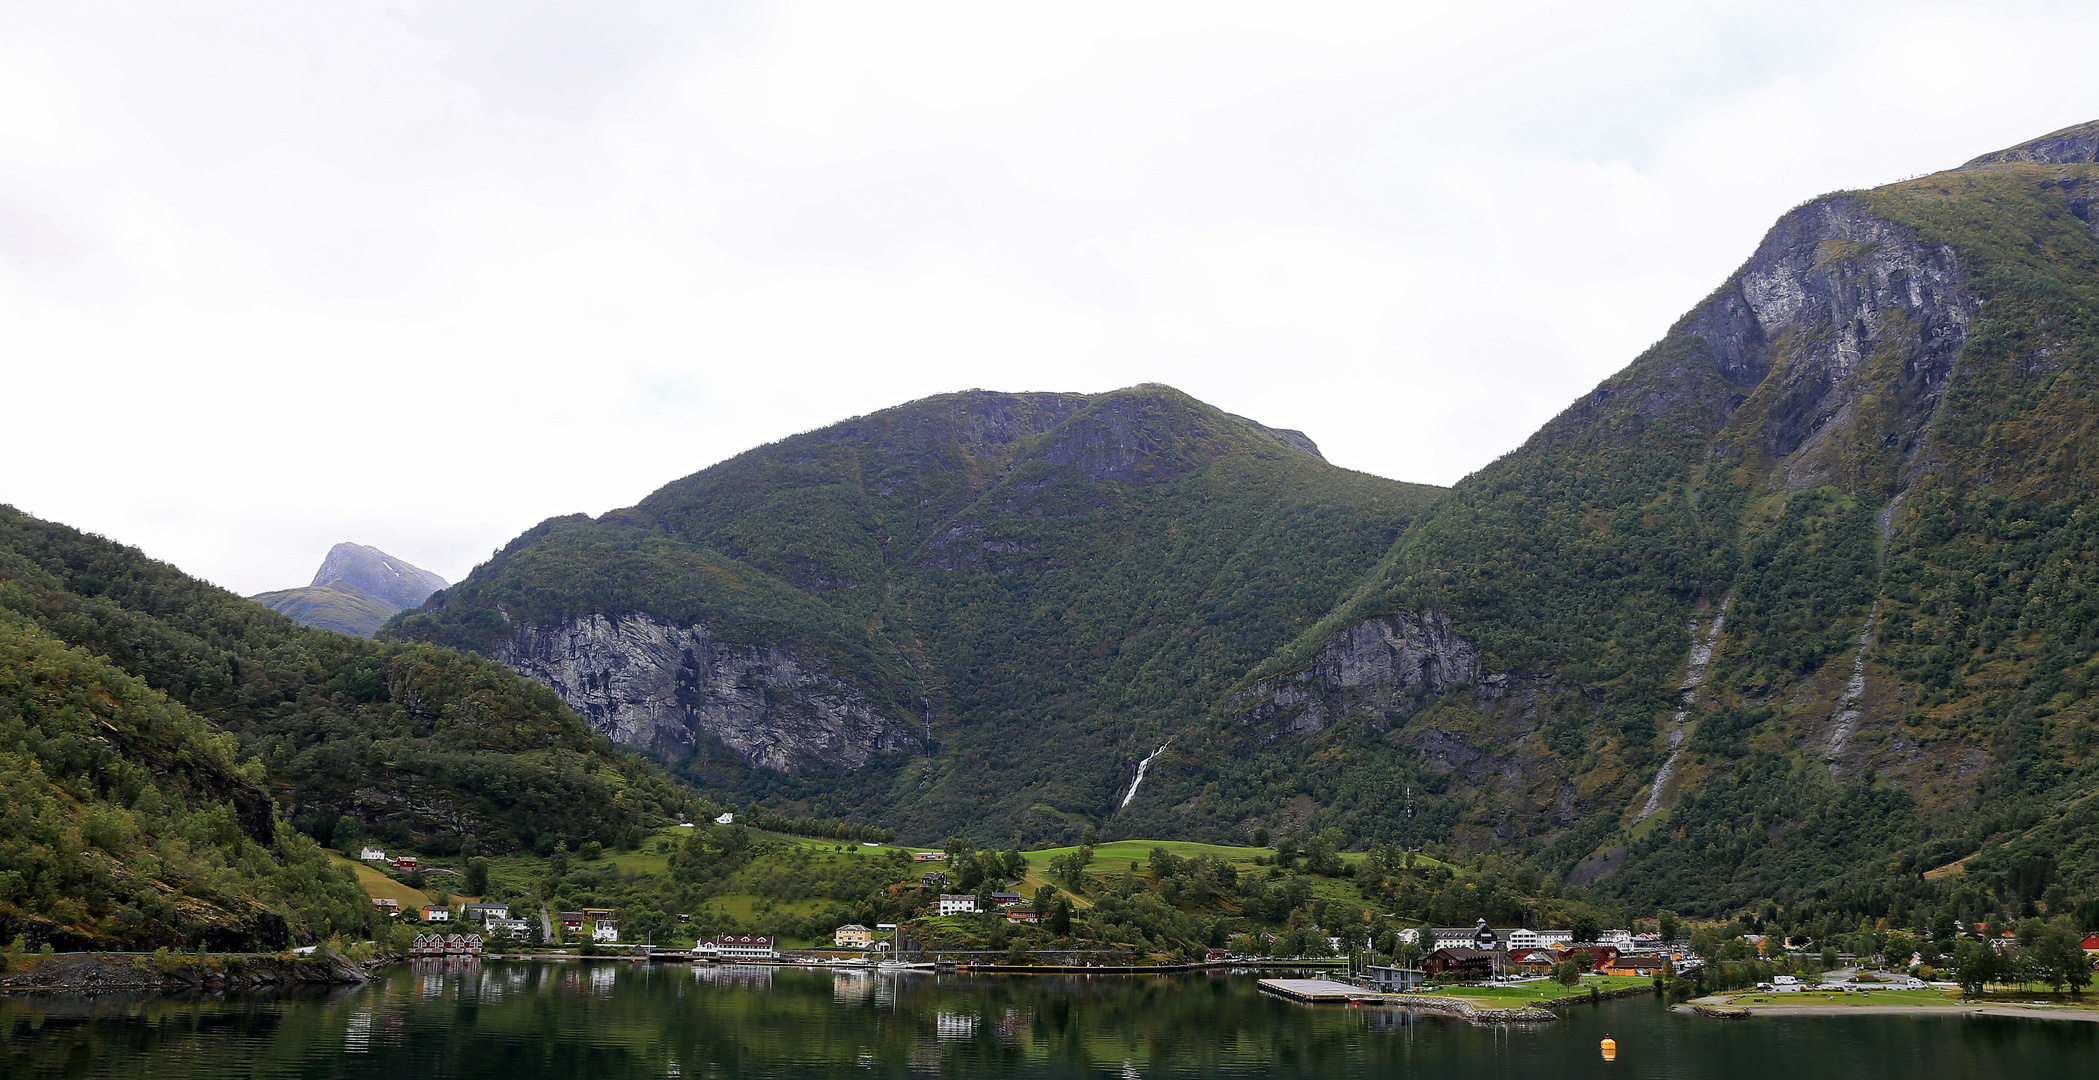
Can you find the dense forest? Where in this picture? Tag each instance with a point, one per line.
(1048, 582)
(1867, 507)
(339, 735)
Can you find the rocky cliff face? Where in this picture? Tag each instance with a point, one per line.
(1384, 667)
(1850, 327)
(655, 685)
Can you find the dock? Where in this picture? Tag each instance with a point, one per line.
(1319, 991)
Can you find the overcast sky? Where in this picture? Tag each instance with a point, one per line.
(421, 274)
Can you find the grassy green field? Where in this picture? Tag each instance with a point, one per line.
(380, 886)
(1533, 992)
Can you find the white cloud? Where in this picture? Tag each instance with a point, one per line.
(422, 275)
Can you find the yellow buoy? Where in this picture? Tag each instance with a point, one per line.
(1610, 1049)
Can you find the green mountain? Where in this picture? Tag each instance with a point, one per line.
(1796, 610)
(974, 613)
(356, 590)
(127, 820)
(347, 738)
(1800, 605)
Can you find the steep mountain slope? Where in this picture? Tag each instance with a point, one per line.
(355, 591)
(1800, 602)
(975, 612)
(126, 820)
(400, 740)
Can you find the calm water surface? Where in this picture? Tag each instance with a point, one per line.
(523, 1021)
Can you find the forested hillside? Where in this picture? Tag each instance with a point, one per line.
(353, 738)
(125, 819)
(1859, 473)
(973, 613)
(1790, 617)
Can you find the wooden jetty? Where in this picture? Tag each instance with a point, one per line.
(1319, 991)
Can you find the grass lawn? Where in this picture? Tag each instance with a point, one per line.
(380, 886)
(1874, 997)
(1543, 990)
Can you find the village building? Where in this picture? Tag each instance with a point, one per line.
(484, 912)
(852, 936)
(405, 862)
(1482, 936)
(436, 913)
(1631, 964)
(371, 854)
(2091, 945)
(957, 904)
(1533, 961)
(571, 922)
(1022, 915)
(1600, 956)
(445, 945)
(1394, 979)
(929, 856)
(933, 880)
(737, 947)
(726, 819)
(1006, 899)
(507, 927)
(391, 906)
(1459, 962)
(604, 930)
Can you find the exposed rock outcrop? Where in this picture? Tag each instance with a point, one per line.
(667, 688)
(1385, 666)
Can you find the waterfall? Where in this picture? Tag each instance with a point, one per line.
(1687, 693)
(1851, 705)
(1141, 766)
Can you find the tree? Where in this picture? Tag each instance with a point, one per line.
(1069, 869)
(1974, 965)
(1322, 853)
(1585, 928)
(1671, 928)
(476, 883)
(1260, 837)
(1090, 838)
(1060, 917)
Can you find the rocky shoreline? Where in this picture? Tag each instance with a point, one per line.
(100, 971)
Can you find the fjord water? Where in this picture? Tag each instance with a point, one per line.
(521, 1021)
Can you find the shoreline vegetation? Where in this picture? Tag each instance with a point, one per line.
(1736, 1006)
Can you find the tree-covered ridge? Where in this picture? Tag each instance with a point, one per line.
(410, 740)
(1911, 470)
(126, 820)
(1054, 578)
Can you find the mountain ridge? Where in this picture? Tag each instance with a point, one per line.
(355, 591)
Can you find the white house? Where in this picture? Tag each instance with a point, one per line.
(957, 904)
(604, 930)
(436, 913)
(372, 854)
(507, 927)
(726, 819)
(1475, 937)
(738, 947)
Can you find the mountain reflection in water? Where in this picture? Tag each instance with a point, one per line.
(525, 1021)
